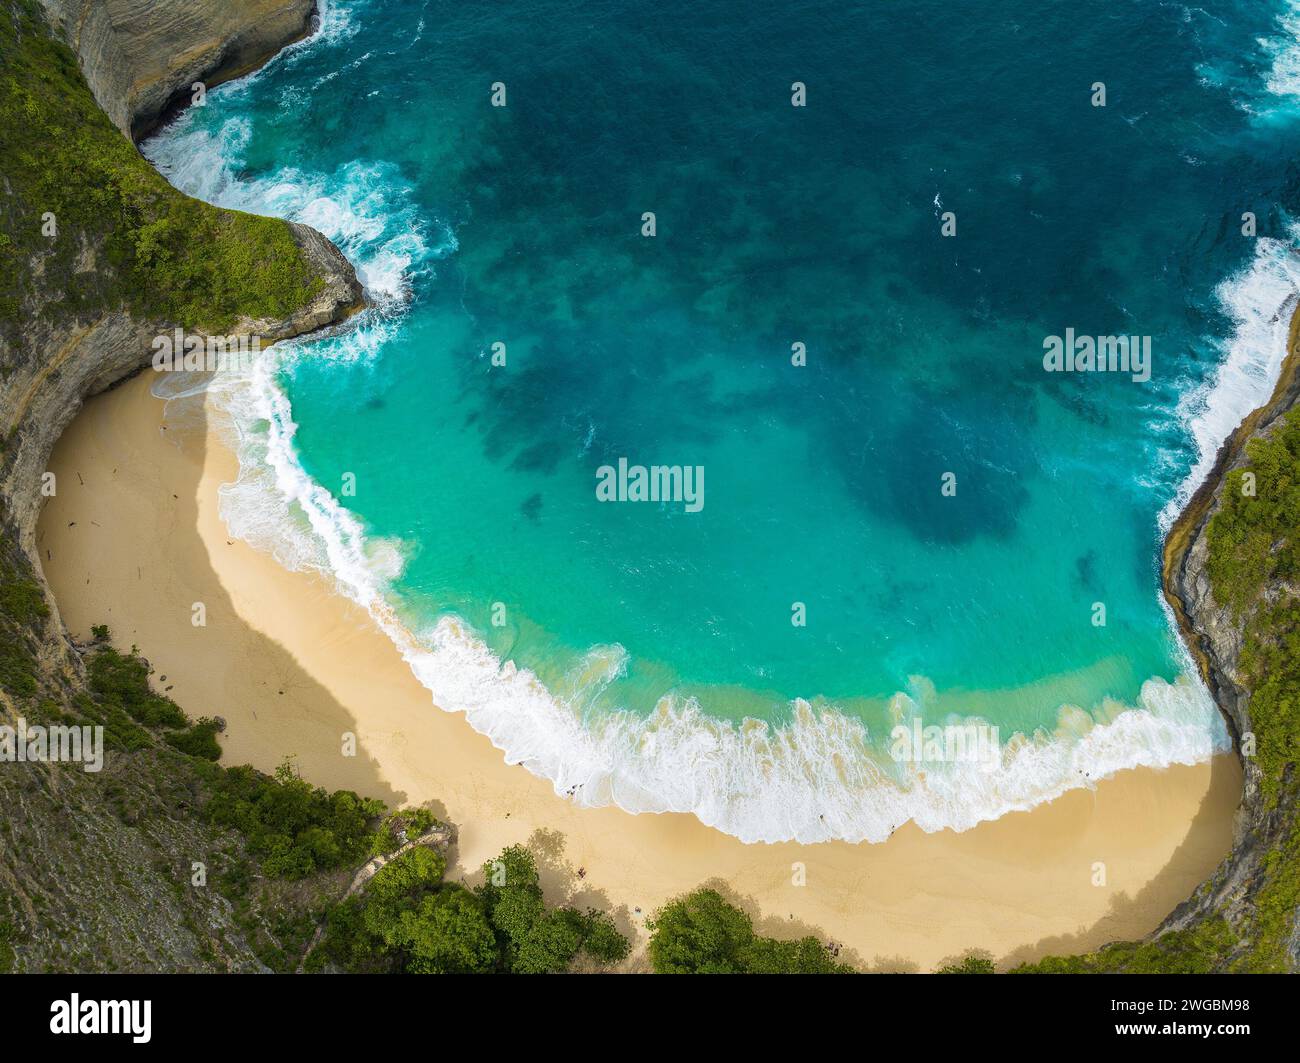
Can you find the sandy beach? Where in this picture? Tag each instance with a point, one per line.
(133, 539)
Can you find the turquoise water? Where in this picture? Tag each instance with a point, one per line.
(633, 652)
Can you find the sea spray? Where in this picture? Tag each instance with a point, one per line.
(1259, 300)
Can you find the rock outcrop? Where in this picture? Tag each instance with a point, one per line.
(137, 56)
(142, 57)
(91, 864)
(1216, 638)
(43, 394)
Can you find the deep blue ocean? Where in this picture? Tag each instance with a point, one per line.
(840, 317)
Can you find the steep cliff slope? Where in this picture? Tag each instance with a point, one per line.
(98, 255)
(1232, 579)
(142, 57)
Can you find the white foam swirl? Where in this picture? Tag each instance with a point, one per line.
(1258, 299)
(817, 778)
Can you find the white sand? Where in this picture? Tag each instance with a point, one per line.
(133, 539)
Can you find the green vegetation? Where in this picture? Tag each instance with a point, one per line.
(294, 828)
(122, 681)
(1253, 545)
(535, 940)
(405, 825)
(199, 740)
(6, 948)
(1254, 549)
(160, 253)
(407, 919)
(292, 848)
(121, 701)
(22, 613)
(701, 933)
(1199, 950)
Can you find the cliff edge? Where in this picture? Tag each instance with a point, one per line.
(1229, 581)
(141, 58)
(1231, 576)
(99, 255)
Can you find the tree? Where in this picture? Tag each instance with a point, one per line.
(447, 934)
(602, 941)
(415, 870)
(551, 943)
(699, 934)
(805, 956)
(512, 896)
(533, 940)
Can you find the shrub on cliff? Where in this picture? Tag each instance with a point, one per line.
(199, 740)
(122, 680)
(22, 608)
(1254, 558)
(294, 827)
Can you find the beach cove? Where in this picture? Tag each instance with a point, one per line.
(133, 539)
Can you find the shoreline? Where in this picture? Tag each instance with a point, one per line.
(1190, 521)
(1214, 637)
(139, 498)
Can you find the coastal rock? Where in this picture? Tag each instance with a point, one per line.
(132, 832)
(1215, 638)
(136, 56)
(141, 57)
(63, 365)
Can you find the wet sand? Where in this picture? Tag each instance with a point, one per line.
(133, 539)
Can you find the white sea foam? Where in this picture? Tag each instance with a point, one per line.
(364, 207)
(816, 778)
(1283, 78)
(1258, 300)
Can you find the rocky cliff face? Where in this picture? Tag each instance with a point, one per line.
(136, 55)
(1216, 638)
(93, 867)
(75, 361)
(142, 57)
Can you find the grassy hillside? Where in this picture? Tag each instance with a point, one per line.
(102, 871)
(88, 226)
(1254, 568)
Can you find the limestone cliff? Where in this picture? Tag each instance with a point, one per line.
(142, 57)
(98, 256)
(86, 302)
(1217, 634)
